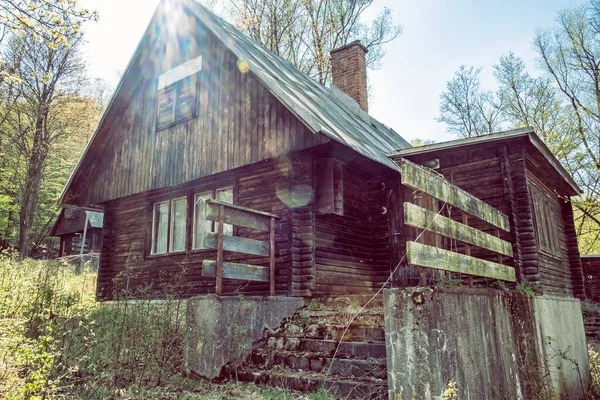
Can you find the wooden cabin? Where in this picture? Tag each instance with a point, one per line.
(75, 227)
(220, 168)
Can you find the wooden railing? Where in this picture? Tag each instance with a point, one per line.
(224, 213)
(422, 255)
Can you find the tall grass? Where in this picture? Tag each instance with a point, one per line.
(57, 341)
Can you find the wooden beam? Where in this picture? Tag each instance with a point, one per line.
(465, 220)
(238, 244)
(238, 217)
(422, 179)
(219, 262)
(428, 256)
(231, 270)
(422, 218)
(272, 258)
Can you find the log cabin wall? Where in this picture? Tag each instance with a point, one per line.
(125, 261)
(352, 251)
(552, 245)
(591, 271)
(506, 176)
(239, 122)
(481, 172)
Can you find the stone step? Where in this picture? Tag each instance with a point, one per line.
(339, 388)
(346, 349)
(353, 333)
(338, 302)
(317, 362)
(328, 347)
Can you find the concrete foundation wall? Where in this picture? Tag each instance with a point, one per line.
(561, 344)
(222, 330)
(491, 344)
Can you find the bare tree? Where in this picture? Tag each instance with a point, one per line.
(466, 109)
(305, 31)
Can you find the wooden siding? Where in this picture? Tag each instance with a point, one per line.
(239, 123)
(124, 262)
(555, 273)
(591, 271)
(352, 251)
(504, 177)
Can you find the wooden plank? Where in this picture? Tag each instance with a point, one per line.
(419, 178)
(272, 258)
(465, 220)
(431, 257)
(219, 262)
(422, 218)
(238, 244)
(232, 270)
(238, 216)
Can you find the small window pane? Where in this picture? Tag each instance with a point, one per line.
(201, 224)
(166, 104)
(226, 196)
(186, 98)
(160, 223)
(178, 221)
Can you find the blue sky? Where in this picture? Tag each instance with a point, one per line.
(438, 37)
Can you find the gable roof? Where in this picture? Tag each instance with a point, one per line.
(321, 109)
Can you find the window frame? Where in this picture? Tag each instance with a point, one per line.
(543, 208)
(213, 192)
(189, 194)
(150, 248)
(175, 87)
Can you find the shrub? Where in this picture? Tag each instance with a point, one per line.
(55, 339)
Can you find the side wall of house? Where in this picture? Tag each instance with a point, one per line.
(504, 177)
(239, 122)
(352, 250)
(125, 262)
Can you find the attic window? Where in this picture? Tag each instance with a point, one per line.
(178, 94)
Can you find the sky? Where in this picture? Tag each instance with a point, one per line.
(438, 36)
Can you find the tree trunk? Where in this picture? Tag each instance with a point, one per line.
(32, 187)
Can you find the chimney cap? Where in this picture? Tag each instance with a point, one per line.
(352, 44)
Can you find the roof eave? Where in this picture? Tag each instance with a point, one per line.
(61, 200)
(527, 132)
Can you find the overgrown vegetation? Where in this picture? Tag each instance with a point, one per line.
(56, 341)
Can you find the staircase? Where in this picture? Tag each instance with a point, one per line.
(301, 354)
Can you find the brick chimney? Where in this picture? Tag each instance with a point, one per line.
(349, 71)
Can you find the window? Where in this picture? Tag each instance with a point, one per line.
(177, 102)
(201, 224)
(169, 226)
(547, 215)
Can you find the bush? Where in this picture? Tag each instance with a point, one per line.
(55, 340)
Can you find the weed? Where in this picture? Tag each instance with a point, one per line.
(321, 394)
(525, 287)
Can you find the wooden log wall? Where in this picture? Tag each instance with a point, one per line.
(239, 122)
(555, 271)
(352, 251)
(504, 176)
(303, 225)
(591, 272)
(124, 263)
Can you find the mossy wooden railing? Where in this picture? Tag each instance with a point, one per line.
(231, 214)
(421, 179)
